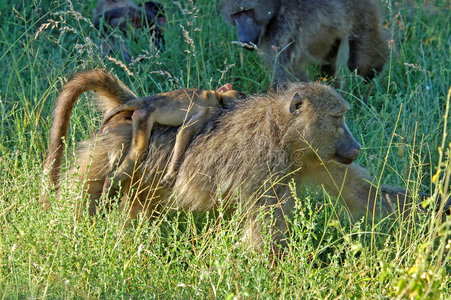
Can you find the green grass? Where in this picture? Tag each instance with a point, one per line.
(401, 119)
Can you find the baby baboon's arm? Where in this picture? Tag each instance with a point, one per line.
(182, 141)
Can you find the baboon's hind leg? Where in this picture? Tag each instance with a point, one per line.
(142, 123)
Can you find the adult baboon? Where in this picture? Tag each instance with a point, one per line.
(125, 13)
(253, 149)
(289, 33)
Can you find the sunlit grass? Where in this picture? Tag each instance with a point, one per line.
(401, 119)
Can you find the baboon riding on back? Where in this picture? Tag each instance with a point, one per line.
(253, 149)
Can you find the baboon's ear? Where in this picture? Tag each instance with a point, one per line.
(296, 103)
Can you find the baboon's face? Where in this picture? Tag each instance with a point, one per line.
(250, 18)
(319, 120)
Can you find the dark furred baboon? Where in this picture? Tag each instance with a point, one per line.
(125, 13)
(253, 149)
(289, 33)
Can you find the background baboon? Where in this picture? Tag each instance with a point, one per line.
(289, 33)
(254, 148)
(125, 13)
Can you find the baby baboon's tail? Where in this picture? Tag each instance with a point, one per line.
(112, 93)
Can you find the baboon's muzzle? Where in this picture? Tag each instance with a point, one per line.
(248, 31)
(347, 148)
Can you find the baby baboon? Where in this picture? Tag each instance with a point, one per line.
(188, 108)
(289, 33)
(125, 13)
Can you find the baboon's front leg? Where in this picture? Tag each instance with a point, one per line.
(182, 141)
(359, 195)
(268, 216)
(368, 52)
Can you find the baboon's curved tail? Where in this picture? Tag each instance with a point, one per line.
(113, 93)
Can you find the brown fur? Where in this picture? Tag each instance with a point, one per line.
(189, 108)
(290, 33)
(254, 150)
(112, 92)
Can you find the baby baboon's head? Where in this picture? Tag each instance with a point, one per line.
(318, 124)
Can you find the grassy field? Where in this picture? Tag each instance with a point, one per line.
(401, 119)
